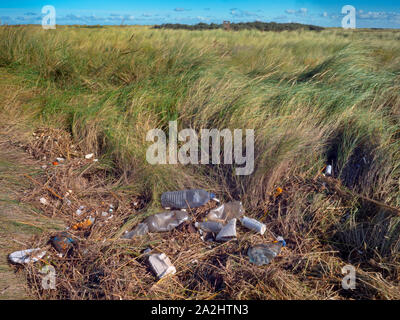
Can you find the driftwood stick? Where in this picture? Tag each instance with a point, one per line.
(47, 188)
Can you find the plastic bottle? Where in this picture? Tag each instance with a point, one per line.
(184, 199)
(264, 253)
(160, 222)
(253, 224)
(166, 221)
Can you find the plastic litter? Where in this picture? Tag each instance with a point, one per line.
(166, 221)
(43, 201)
(264, 253)
(60, 159)
(328, 170)
(228, 232)
(89, 156)
(278, 191)
(140, 230)
(161, 265)
(226, 212)
(161, 222)
(62, 242)
(80, 210)
(209, 226)
(26, 256)
(184, 199)
(146, 251)
(253, 224)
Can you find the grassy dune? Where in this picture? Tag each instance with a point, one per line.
(312, 99)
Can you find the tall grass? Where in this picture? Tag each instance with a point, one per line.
(312, 99)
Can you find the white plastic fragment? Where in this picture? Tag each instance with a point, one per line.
(253, 224)
(328, 170)
(161, 265)
(43, 201)
(59, 159)
(26, 256)
(89, 156)
(80, 210)
(228, 232)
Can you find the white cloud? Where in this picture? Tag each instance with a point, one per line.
(301, 11)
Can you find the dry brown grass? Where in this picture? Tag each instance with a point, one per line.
(102, 266)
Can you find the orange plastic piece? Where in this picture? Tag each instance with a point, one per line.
(82, 225)
(278, 191)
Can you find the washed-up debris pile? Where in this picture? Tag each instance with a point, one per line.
(93, 220)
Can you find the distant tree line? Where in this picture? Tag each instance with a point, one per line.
(256, 25)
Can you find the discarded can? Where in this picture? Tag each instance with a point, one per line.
(184, 199)
(161, 265)
(26, 256)
(226, 212)
(253, 224)
(228, 232)
(62, 242)
(264, 253)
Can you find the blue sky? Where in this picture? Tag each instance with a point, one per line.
(370, 14)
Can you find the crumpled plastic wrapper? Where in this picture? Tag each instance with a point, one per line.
(161, 222)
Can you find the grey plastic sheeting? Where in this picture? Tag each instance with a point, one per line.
(161, 222)
(226, 212)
